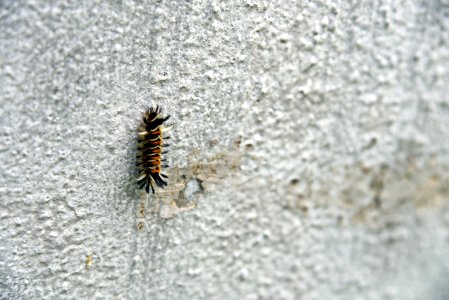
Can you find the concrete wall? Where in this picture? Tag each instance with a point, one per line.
(310, 156)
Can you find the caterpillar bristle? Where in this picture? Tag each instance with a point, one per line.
(150, 142)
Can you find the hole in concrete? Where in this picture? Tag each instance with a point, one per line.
(249, 146)
(238, 142)
(294, 181)
(213, 143)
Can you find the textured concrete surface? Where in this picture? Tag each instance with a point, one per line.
(310, 156)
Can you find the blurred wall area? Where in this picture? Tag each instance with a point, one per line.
(309, 156)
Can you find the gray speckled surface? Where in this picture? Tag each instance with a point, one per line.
(310, 150)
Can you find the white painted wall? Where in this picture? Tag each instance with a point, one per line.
(310, 154)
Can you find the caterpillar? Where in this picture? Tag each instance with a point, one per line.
(149, 157)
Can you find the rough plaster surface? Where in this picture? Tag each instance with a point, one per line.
(309, 162)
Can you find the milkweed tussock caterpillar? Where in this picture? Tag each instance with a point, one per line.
(150, 156)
